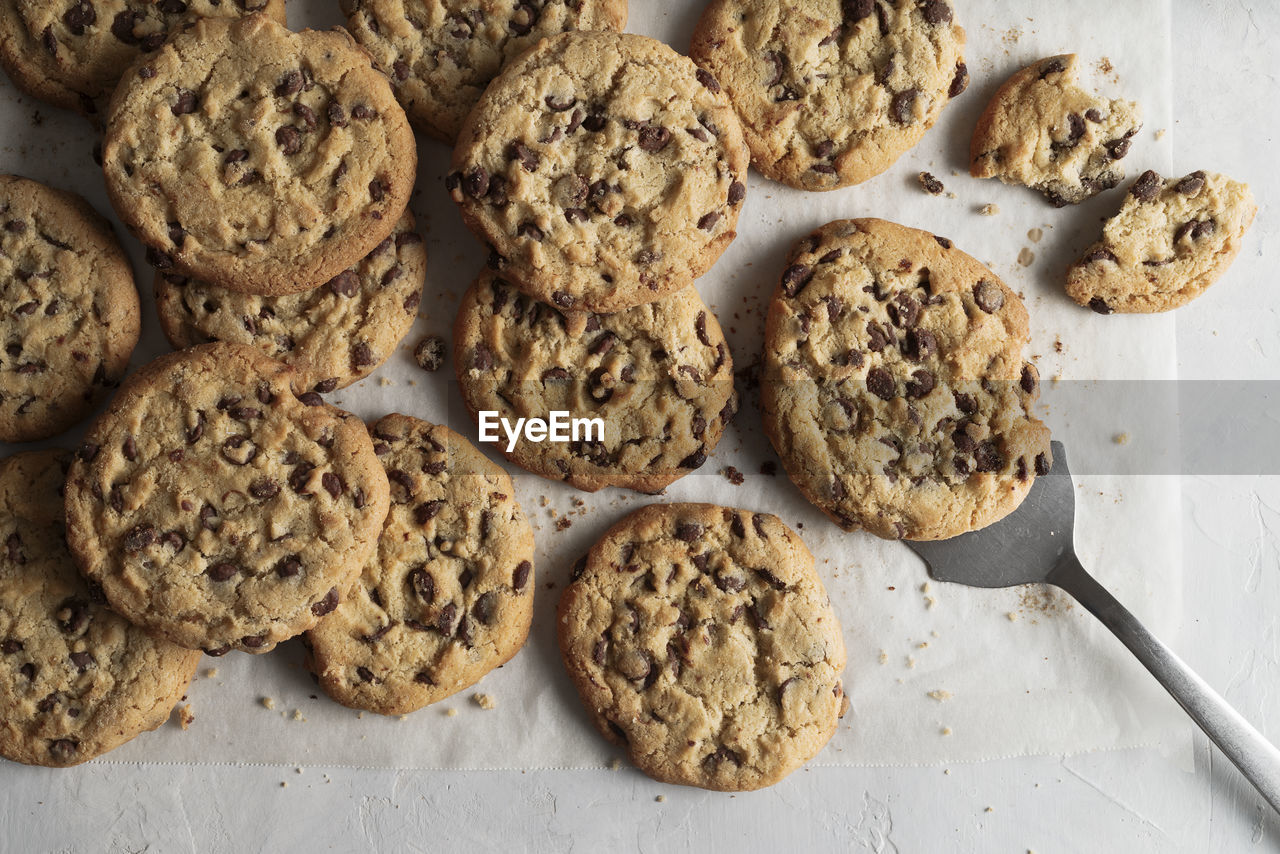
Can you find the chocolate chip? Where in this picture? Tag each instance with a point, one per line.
(264, 488)
(688, 531)
(337, 115)
(1053, 66)
(289, 139)
(904, 310)
(345, 284)
(989, 296)
(705, 78)
(1028, 380)
(64, 750)
(1191, 184)
(327, 604)
(528, 158)
(79, 16)
(708, 221)
(209, 518)
(920, 344)
(325, 386)
(653, 138)
(139, 537)
(936, 12)
(988, 458)
(902, 107)
(310, 398)
(1100, 255)
(1042, 465)
(695, 460)
(559, 105)
(880, 383)
(290, 84)
(1148, 186)
(737, 192)
(186, 103)
(239, 450)
(795, 278)
(122, 27)
(520, 577)
(430, 353)
(332, 484)
(1117, 148)
(960, 81)
(222, 571)
(922, 382)
(531, 231)
(930, 184)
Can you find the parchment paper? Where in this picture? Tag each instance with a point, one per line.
(937, 673)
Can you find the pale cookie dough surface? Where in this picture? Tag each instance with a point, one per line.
(1170, 240)
(218, 510)
(894, 388)
(441, 54)
(448, 596)
(76, 679)
(333, 335)
(702, 640)
(604, 169)
(257, 159)
(1043, 131)
(659, 375)
(68, 309)
(831, 93)
(72, 53)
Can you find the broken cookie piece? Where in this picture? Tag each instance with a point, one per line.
(1044, 132)
(1170, 241)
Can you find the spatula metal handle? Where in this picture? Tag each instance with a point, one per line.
(1256, 757)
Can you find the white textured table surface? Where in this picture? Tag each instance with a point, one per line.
(1132, 801)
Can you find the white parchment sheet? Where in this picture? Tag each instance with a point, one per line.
(937, 673)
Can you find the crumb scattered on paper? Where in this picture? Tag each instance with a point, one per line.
(930, 184)
(989, 209)
(485, 701)
(940, 695)
(661, 799)
(268, 702)
(1026, 257)
(186, 716)
(210, 673)
(451, 712)
(884, 657)
(1160, 134)
(563, 523)
(385, 381)
(946, 730)
(1035, 235)
(1121, 438)
(615, 764)
(297, 715)
(732, 475)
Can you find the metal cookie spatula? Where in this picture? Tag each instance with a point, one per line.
(1034, 544)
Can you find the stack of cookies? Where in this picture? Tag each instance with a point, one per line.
(219, 503)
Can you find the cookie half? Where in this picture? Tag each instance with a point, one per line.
(831, 93)
(68, 309)
(333, 335)
(1170, 240)
(72, 54)
(219, 511)
(448, 596)
(605, 170)
(441, 54)
(658, 376)
(702, 641)
(258, 159)
(1043, 131)
(894, 388)
(76, 679)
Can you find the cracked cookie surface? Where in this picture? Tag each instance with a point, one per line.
(894, 388)
(659, 376)
(76, 679)
(1042, 131)
(1170, 240)
(333, 335)
(68, 309)
(218, 510)
(72, 54)
(441, 54)
(604, 169)
(448, 596)
(257, 159)
(702, 641)
(831, 93)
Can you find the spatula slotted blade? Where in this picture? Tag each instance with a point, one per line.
(1021, 548)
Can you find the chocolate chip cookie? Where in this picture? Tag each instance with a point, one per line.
(1169, 242)
(76, 679)
(658, 376)
(441, 54)
(702, 641)
(216, 509)
(832, 92)
(68, 309)
(333, 335)
(257, 159)
(72, 53)
(1043, 131)
(604, 169)
(448, 596)
(894, 388)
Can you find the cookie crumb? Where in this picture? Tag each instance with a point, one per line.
(485, 701)
(1057, 345)
(911, 662)
(563, 523)
(268, 702)
(615, 764)
(884, 656)
(185, 716)
(1160, 134)
(769, 468)
(297, 715)
(284, 784)
(1035, 235)
(989, 809)
(451, 712)
(946, 730)
(1013, 617)
(930, 602)
(989, 209)
(940, 695)
(385, 381)
(661, 799)
(1026, 257)
(1121, 438)
(732, 475)
(430, 353)
(210, 673)
(930, 184)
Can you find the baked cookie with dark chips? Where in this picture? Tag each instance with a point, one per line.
(702, 641)
(894, 387)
